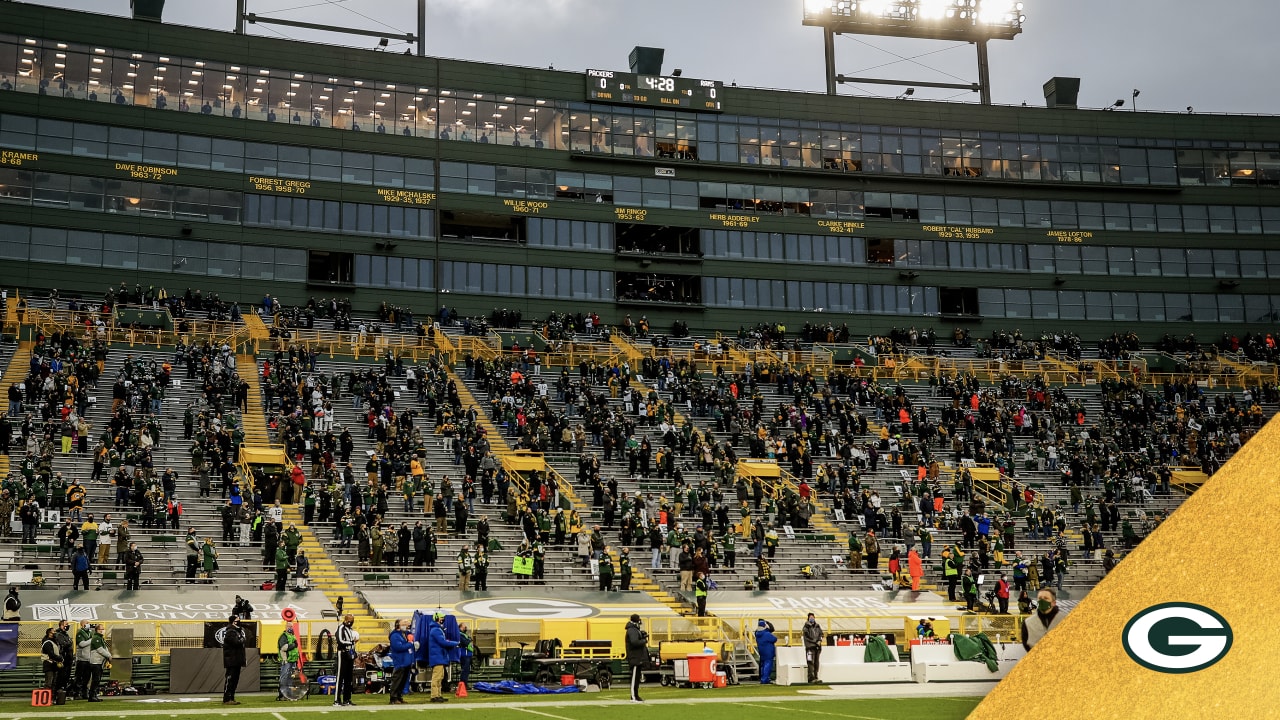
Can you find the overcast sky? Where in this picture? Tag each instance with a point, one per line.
(1216, 57)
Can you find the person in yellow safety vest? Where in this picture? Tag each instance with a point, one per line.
(952, 563)
(700, 592)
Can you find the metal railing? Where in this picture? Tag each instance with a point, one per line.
(156, 638)
(999, 628)
(83, 324)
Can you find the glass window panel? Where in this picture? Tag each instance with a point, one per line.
(1143, 217)
(1038, 213)
(1199, 262)
(991, 302)
(224, 260)
(1093, 260)
(1253, 263)
(1248, 220)
(227, 155)
(1041, 258)
(48, 245)
(90, 140)
(1117, 216)
(1124, 305)
(1221, 219)
(156, 254)
(1044, 304)
(1120, 260)
(195, 253)
(1017, 303)
(1230, 308)
(1146, 261)
(357, 168)
(1168, 218)
(1151, 307)
(1173, 262)
(1067, 259)
(1177, 307)
(1257, 309)
(119, 251)
(1071, 304)
(15, 241)
(84, 248)
(1195, 218)
(1226, 264)
(1204, 307)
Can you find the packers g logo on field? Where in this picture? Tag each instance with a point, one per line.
(527, 609)
(1177, 637)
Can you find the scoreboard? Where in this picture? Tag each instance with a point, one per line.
(623, 88)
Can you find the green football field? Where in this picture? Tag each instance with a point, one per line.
(734, 703)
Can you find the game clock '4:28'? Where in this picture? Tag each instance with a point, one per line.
(624, 88)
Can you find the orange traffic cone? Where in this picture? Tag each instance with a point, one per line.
(462, 690)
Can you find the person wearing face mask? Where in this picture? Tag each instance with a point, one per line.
(346, 637)
(233, 659)
(1046, 618)
(402, 657)
(67, 650)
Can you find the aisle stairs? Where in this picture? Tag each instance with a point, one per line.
(256, 432)
(327, 578)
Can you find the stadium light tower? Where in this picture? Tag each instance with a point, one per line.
(243, 15)
(973, 21)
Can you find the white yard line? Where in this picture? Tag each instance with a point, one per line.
(814, 712)
(537, 712)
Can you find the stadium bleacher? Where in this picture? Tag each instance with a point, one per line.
(986, 423)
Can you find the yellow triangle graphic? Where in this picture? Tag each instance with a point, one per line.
(1217, 550)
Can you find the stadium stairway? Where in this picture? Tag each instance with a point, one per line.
(17, 369)
(14, 372)
(255, 424)
(501, 449)
(639, 580)
(497, 443)
(819, 521)
(439, 462)
(327, 578)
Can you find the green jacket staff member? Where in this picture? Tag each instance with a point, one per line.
(287, 646)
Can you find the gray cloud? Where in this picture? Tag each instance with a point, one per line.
(1215, 57)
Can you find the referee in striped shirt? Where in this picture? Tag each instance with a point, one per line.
(347, 638)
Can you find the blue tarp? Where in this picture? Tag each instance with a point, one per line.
(511, 687)
(420, 626)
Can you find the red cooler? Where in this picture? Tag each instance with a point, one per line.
(702, 668)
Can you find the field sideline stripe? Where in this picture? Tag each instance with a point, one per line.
(539, 712)
(816, 712)
(278, 716)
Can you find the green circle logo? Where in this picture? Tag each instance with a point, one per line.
(1177, 638)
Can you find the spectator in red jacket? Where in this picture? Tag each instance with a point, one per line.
(1002, 594)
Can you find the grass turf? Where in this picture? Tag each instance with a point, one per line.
(736, 703)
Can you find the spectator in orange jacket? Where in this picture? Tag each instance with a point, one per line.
(916, 570)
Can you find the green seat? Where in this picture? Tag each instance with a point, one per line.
(109, 575)
(164, 538)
